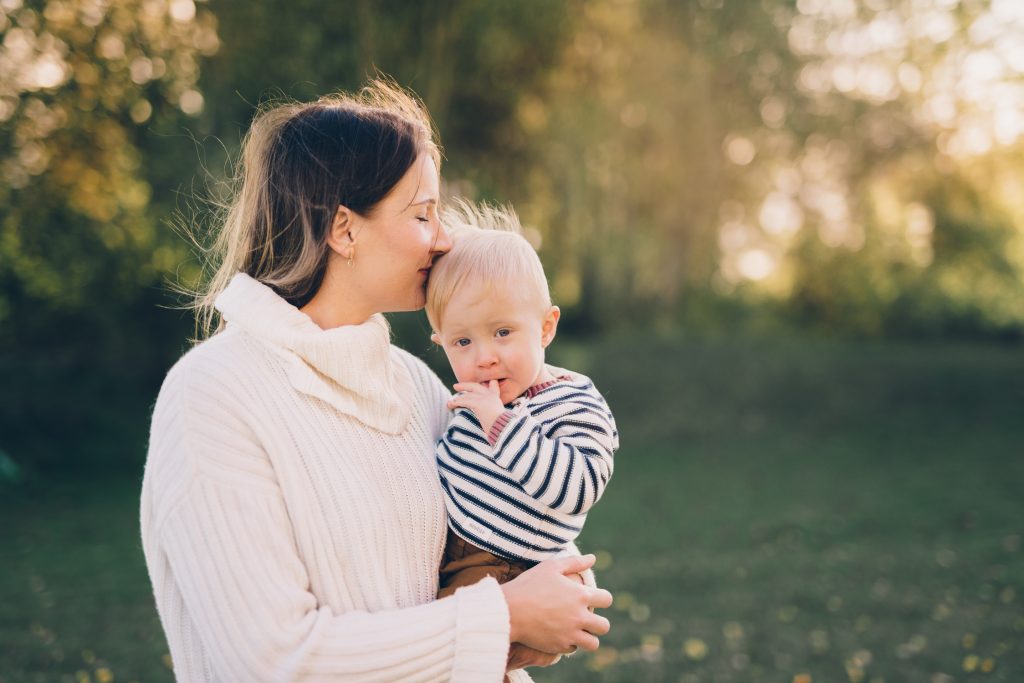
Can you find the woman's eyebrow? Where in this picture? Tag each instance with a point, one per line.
(429, 200)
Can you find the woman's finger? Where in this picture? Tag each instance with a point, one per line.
(587, 642)
(574, 564)
(599, 598)
(597, 625)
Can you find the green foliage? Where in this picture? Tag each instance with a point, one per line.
(76, 225)
(82, 245)
(851, 167)
(470, 61)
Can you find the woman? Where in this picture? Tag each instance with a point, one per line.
(292, 519)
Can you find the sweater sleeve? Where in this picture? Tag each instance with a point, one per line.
(248, 595)
(226, 547)
(565, 462)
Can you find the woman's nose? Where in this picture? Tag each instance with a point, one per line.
(443, 242)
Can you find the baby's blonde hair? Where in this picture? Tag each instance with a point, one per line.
(490, 253)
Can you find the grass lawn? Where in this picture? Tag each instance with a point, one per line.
(786, 511)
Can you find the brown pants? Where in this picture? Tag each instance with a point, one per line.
(465, 564)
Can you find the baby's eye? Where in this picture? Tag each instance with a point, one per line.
(504, 332)
(461, 342)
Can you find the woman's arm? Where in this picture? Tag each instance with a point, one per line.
(247, 595)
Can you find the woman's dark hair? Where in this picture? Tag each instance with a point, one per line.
(300, 161)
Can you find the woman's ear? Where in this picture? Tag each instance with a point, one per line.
(549, 326)
(340, 238)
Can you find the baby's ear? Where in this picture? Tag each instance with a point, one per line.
(434, 338)
(550, 325)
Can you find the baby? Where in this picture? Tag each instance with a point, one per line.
(529, 447)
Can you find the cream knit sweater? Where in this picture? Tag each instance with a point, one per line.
(292, 519)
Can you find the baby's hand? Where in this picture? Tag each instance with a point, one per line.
(483, 399)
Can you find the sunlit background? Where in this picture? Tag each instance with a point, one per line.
(787, 239)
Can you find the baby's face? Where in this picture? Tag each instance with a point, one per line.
(497, 335)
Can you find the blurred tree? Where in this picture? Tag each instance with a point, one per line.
(79, 80)
(855, 164)
(743, 149)
(874, 196)
(79, 245)
(630, 176)
(471, 61)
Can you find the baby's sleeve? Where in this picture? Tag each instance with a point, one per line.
(562, 458)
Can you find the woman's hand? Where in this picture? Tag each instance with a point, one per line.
(521, 656)
(550, 611)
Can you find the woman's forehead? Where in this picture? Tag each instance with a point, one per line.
(420, 185)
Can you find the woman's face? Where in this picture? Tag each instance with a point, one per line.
(396, 245)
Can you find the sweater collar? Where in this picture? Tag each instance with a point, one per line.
(541, 386)
(352, 367)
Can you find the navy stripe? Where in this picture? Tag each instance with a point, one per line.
(526, 525)
(593, 484)
(569, 395)
(562, 424)
(511, 433)
(501, 552)
(568, 477)
(454, 429)
(470, 416)
(533, 465)
(504, 496)
(512, 502)
(469, 464)
(581, 409)
(551, 470)
(449, 488)
(578, 400)
(519, 454)
(498, 513)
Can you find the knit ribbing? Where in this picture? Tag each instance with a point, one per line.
(292, 520)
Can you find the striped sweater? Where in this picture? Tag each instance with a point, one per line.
(524, 492)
